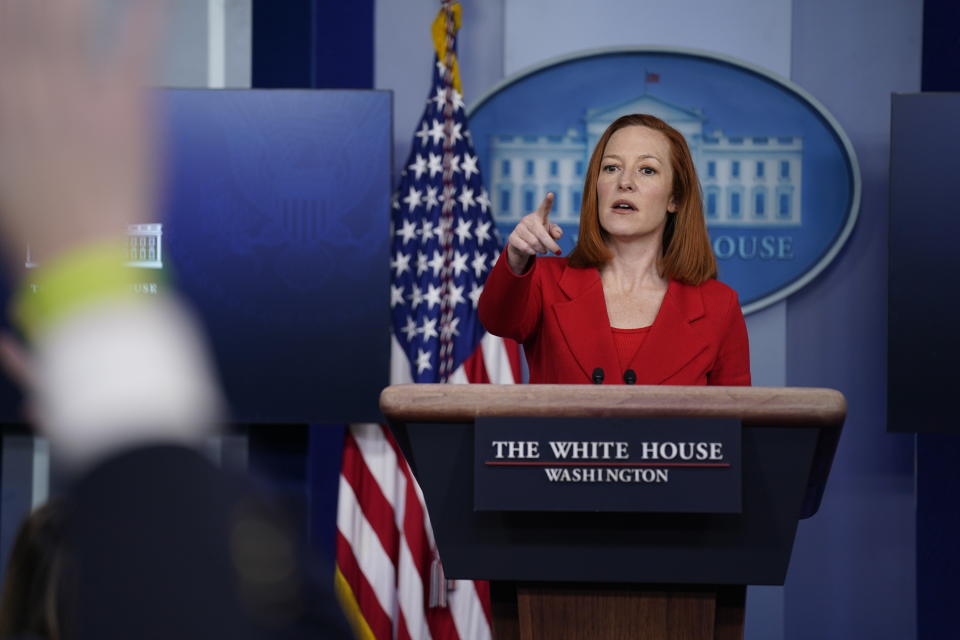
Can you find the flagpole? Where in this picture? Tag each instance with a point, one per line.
(445, 355)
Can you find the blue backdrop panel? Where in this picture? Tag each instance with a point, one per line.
(276, 231)
(923, 343)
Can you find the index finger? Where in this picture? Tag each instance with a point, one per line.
(545, 207)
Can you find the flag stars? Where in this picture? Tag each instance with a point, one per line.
(426, 230)
(430, 199)
(396, 295)
(459, 264)
(423, 361)
(479, 264)
(458, 103)
(423, 133)
(421, 262)
(456, 295)
(439, 97)
(463, 230)
(416, 297)
(474, 294)
(412, 199)
(442, 234)
(429, 329)
(409, 329)
(436, 263)
(408, 231)
(434, 164)
(466, 198)
(482, 232)
(451, 329)
(436, 132)
(469, 165)
(401, 263)
(419, 166)
(432, 296)
(483, 200)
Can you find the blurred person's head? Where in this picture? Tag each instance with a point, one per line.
(31, 604)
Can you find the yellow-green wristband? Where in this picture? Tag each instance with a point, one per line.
(89, 275)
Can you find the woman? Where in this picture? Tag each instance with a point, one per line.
(637, 300)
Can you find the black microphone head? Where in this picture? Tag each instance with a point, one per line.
(597, 376)
(630, 376)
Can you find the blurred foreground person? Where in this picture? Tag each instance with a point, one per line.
(160, 543)
(31, 603)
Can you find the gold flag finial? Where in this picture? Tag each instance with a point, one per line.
(443, 40)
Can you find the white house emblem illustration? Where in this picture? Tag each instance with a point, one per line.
(747, 181)
(144, 245)
(144, 248)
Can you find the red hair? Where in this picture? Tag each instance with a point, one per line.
(687, 255)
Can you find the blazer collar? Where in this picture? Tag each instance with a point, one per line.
(673, 341)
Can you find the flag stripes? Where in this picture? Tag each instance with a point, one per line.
(358, 589)
(386, 561)
(375, 564)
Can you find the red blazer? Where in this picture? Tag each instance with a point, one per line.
(559, 315)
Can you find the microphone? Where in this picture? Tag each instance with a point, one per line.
(630, 376)
(597, 376)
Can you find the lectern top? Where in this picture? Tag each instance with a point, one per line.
(774, 406)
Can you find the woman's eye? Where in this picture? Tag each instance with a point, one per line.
(609, 168)
(648, 171)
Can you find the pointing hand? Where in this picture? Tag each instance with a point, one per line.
(533, 235)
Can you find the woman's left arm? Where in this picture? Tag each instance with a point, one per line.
(732, 367)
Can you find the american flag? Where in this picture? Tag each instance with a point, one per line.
(444, 243)
(444, 239)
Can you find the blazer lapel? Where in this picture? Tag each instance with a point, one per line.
(584, 323)
(673, 341)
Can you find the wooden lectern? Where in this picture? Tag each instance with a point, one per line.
(579, 575)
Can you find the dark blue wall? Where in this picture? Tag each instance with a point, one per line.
(313, 43)
(938, 474)
(282, 40)
(941, 45)
(938, 530)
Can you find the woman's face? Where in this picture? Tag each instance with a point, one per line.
(635, 184)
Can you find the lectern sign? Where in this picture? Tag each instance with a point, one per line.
(676, 465)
